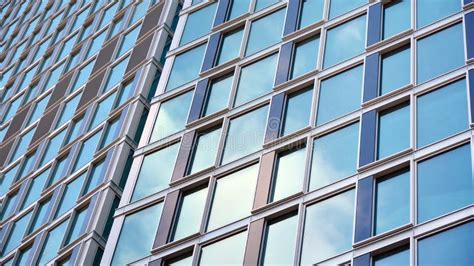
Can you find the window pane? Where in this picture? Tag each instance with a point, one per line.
(36, 187)
(393, 258)
(331, 105)
(238, 8)
(76, 228)
(96, 44)
(75, 131)
(52, 243)
(339, 7)
(186, 67)
(245, 135)
(95, 177)
(70, 195)
(439, 53)
(198, 23)
(311, 12)
(256, 79)
(23, 144)
(205, 151)
(334, 156)
(445, 183)
(336, 216)
(155, 172)
(305, 57)
(128, 41)
(233, 192)
(9, 206)
(429, 11)
(395, 70)
(265, 32)
(12, 109)
(53, 147)
(297, 111)
(116, 74)
(68, 110)
(345, 41)
(392, 202)
(434, 124)
(87, 151)
(393, 131)
(218, 98)
(190, 214)
(172, 116)
(7, 179)
(111, 132)
(396, 18)
(24, 256)
(229, 251)
(39, 109)
(59, 170)
(450, 247)
(289, 174)
(138, 228)
(83, 75)
(186, 261)
(261, 4)
(102, 111)
(280, 242)
(230, 47)
(108, 15)
(17, 233)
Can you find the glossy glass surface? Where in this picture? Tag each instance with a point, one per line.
(450, 247)
(87, 151)
(280, 242)
(70, 195)
(8, 208)
(334, 156)
(445, 183)
(442, 113)
(17, 233)
(429, 11)
(261, 4)
(40, 215)
(116, 74)
(111, 132)
(311, 12)
(198, 23)
(23, 144)
(36, 187)
(305, 57)
(297, 111)
(96, 44)
(218, 95)
(345, 41)
(393, 131)
(238, 8)
(83, 75)
(75, 130)
(24, 255)
(7, 179)
(205, 151)
(395, 70)
(54, 76)
(245, 135)
(186, 67)
(439, 53)
(339, 7)
(331, 105)
(52, 243)
(155, 172)
(233, 192)
(186, 261)
(171, 116)
(15, 104)
(265, 32)
(138, 228)
(190, 214)
(128, 41)
(102, 110)
(95, 177)
(398, 257)
(396, 18)
(68, 110)
(59, 170)
(77, 226)
(230, 46)
(335, 215)
(392, 202)
(108, 15)
(256, 79)
(289, 174)
(39, 109)
(53, 147)
(229, 251)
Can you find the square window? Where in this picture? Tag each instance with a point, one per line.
(297, 111)
(305, 57)
(345, 41)
(311, 12)
(228, 251)
(204, 150)
(230, 46)
(280, 241)
(396, 18)
(39, 108)
(395, 70)
(41, 215)
(265, 32)
(218, 95)
(288, 175)
(428, 11)
(186, 67)
(76, 228)
(53, 147)
(442, 113)
(198, 23)
(190, 214)
(393, 131)
(68, 110)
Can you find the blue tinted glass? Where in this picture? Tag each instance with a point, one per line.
(288, 174)
(95, 178)
(395, 71)
(68, 110)
(28, 164)
(70, 195)
(334, 156)
(331, 105)
(172, 116)
(12, 109)
(345, 41)
(59, 170)
(305, 57)
(439, 53)
(155, 173)
(87, 150)
(205, 151)
(111, 132)
(138, 228)
(17, 233)
(396, 18)
(399, 258)
(229, 251)
(96, 44)
(392, 202)
(186, 67)
(238, 8)
(67, 47)
(75, 131)
(190, 214)
(434, 124)
(39, 109)
(230, 47)
(218, 98)
(27, 78)
(233, 192)
(393, 131)
(53, 147)
(429, 11)
(116, 74)
(265, 32)
(336, 216)
(108, 15)
(7, 179)
(40, 215)
(198, 24)
(36, 188)
(450, 247)
(83, 76)
(311, 12)
(53, 243)
(80, 18)
(445, 183)
(256, 79)
(339, 7)
(23, 144)
(24, 256)
(77, 226)
(9, 207)
(280, 242)
(245, 135)
(139, 12)
(297, 111)
(102, 111)
(128, 41)
(54, 76)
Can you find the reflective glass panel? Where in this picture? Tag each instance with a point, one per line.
(238, 8)
(429, 11)
(395, 70)
(228, 251)
(198, 23)
(87, 151)
(280, 242)
(190, 214)
(205, 150)
(218, 95)
(339, 7)
(396, 18)
(311, 12)
(265, 32)
(297, 111)
(394, 258)
(53, 243)
(230, 46)
(70, 195)
(68, 110)
(289, 174)
(305, 57)
(186, 67)
(17, 233)
(393, 131)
